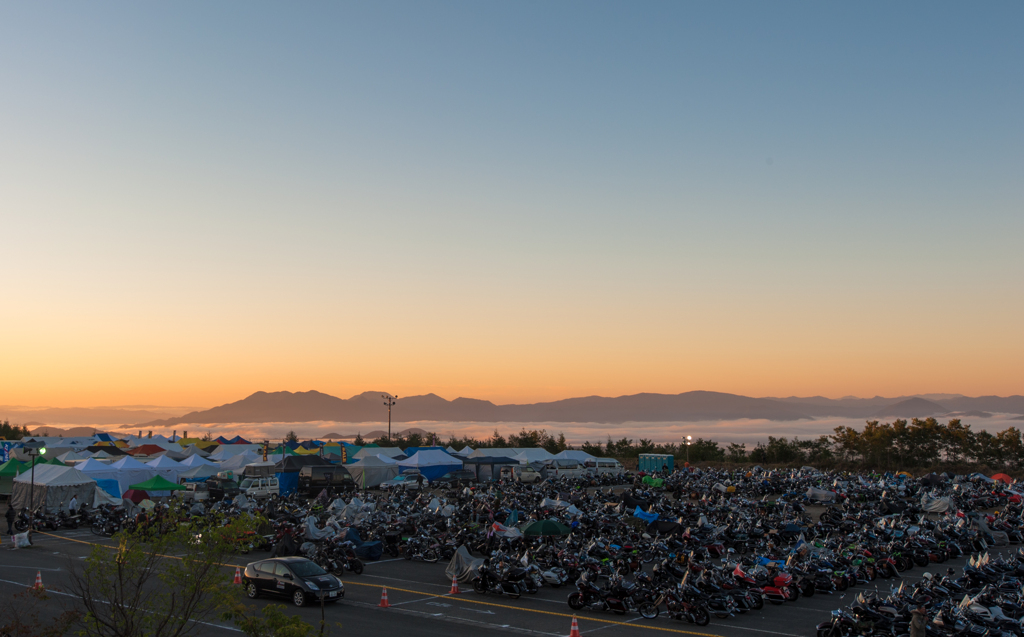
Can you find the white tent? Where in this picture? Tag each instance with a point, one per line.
(199, 473)
(451, 450)
(466, 451)
(126, 471)
(52, 487)
(166, 467)
(534, 454)
(574, 454)
(432, 463)
(389, 452)
(72, 457)
(370, 472)
(496, 452)
(224, 452)
(237, 462)
(197, 460)
(193, 450)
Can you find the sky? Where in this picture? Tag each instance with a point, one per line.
(512, 201)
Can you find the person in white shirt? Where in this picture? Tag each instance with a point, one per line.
(73, 505)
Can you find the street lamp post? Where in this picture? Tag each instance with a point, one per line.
(689, 441)
(34, 450)
(390, 402)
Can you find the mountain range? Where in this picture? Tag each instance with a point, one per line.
(310, 406)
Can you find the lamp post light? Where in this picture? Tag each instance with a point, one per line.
(689, 441)
(390, 402)
(34, 450)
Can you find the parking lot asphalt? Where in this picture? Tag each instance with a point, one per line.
(421, 603)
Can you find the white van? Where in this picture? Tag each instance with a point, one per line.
(260, 487)
(605, 466)
(570, 469)
(522, 473)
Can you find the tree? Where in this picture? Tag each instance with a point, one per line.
(736, 452)
(8, 432)
(138, 589)
(20, 616)
(359, 442)
(273, 623)
(291, 436)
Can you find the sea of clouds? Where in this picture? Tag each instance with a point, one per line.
(723, 431)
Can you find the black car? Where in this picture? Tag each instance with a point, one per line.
(221, 488)
(456, 478)
(316, 478)
(296, 578)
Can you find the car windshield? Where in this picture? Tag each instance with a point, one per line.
(229, 484)
(306, 569)
(247, 483)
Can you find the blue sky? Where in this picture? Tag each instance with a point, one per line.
(782, 195)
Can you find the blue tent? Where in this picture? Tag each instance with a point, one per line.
(431, 463)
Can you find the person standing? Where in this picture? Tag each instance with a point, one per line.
(918, 620)
(10, 519)
(73, 505)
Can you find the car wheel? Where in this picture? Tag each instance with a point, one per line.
(299, 598)
(251, 591)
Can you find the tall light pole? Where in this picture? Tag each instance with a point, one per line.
(390, 402)
(689, 441)
(34, 450)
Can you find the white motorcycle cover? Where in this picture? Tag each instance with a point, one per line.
(463, 567)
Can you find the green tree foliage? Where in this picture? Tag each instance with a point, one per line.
(137, 588)
(12, 432)
(272, 621)
(291, 436)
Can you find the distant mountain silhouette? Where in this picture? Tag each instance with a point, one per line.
(85, 415)
(263, 407)
(911, 408)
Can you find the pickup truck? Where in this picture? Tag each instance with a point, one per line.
(260, 487)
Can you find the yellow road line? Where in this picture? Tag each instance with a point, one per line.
(449, 596)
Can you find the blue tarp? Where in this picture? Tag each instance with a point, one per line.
(364, 550)
(110, 486)
(288, 482)
(645, 516)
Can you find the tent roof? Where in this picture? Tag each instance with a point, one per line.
(197, 460)
(390, 452)
(200, 471)
(429, 457)
(92, 464)
(574, 454)
(375, 461)
(504, 452)
(128, 463)
(146, 450)
(534, 454)
(52, 475)
(11, 467)
(163, 462)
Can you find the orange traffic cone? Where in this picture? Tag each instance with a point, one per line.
(39, 580)
(384, 598)
(238, 575)
(575, 630)
(455, 587)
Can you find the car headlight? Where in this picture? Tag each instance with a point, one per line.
(312, 586)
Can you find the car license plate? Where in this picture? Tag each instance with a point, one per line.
(333, 594)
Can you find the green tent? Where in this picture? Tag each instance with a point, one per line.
(54, 460)
(8, 471)
(545, 527)
(157, 483)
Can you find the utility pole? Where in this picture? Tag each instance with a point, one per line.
(390, 402)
